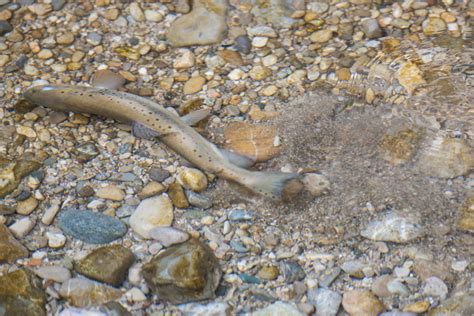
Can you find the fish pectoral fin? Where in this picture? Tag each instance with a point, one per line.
(237, 159)
(195, 116)
(141, 131)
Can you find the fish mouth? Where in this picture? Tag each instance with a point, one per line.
(36, 90)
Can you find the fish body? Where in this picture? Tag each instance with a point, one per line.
(169, 128)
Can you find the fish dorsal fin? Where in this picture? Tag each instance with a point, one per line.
(195, 116)
(237, 159)
(106, 79)
(141, 131)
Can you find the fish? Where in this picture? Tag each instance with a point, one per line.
(151, 120)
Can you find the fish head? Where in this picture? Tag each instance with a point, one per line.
(45, 94)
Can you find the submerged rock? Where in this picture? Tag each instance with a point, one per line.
(21, 293)
(278, 308)
(82, 292)
(184, 273)
(150, 213)
(10, 248)
(204, 25)
(362, 303)
(446, 158)
(91, 227)
(327, 302)
(466, 216)
(11, 173)
(211, 309)
(108, 264)
(394, 227)
(457, 305)
(400, 147)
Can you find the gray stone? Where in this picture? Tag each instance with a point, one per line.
(198, 200)
(327, 302)
(5, 27)
(243, 44)
(55, 273)
(91, 227)
(371, 28)
(168, 236)
(400, 227)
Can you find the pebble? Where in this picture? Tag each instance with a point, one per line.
(260, 73)
(194, 85)
(278, 308)
(158, 174)
(394, 227)
(433, 26)
(213, 308)
(21, 293)
(259, 41)
(81, 292)
(291, 271)
(198, 200)
(177, 195)
(419, 307)
(361, 302)
(11, 249)
(168, 236)
(268, 273)
(27, 131)
(45, 54)
(91, 227)
(152, 188)
(56, 273)
(94, 39)
(110, 192)
(185, 60)
(204, 25)
(136, 12)
(65, 38)
(4, 59)
(107, 264)
(184, 273)
(55, 240)
(150, 213)
(192, 179)
(5, 27)
(26, 207)
(242, 44)
(456, 305)
(321, 36)
(327, 302)
(153, 16)
(136, 295)
(435, 287)
(371, 28)
(22, 227)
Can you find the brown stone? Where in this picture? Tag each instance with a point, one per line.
(177, 195)
(255, 141)
(10, 248)
(232, 57)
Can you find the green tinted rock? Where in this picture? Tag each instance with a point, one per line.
(21, 294)
(184, 273)
(10, 248)
(108, 264)
(11, 173)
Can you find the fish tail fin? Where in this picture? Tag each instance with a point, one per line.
(275, 185)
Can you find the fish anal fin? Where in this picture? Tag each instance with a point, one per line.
(237, 159)
(141, 131)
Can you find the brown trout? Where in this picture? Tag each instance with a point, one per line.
(150, 120)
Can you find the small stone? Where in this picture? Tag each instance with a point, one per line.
(21, 293)
(110, 192)
(55, 273)
(394, 227)
(204, 25)
(91, 227)
(213, 308)
(291, 271)
(254, 141)
(361, 303)
(398, 288)
(65, 39)
(56, 240)
(82, 292)
(259, 41)
(278, 308)
(40, 8)
(10, 248)
(107, 79)
(417, 307)
(192, 179)
(86, 151)
(152, 188)
(45, 54)
(327, 302)
(107, 264)
(260, 73)
(168, 236)
(194, 85)
(380, 285)
(231, 57)
(435, 287)
(4, 59)
(456, 305)
(186, 60)
(433, 26)
(427, 268)
(150, 213)
(136, 295)
(268, 273)
(236, 74)
(353, 268)
(136, 12)
(5, 28)
(207, 220)
(321, 36)
(242, 44)
(27, 131)
(177, 195)
(27, 206)
(94, 38)
(111, 14)
(410, 76)
(158, 174)
(153, 16)
(198, 200)
(22, 227)
(183, 273)
(262, 30)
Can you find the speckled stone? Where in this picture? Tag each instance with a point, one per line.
(184, 273)
(108, 264)
(91, 227)
(10, 248)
